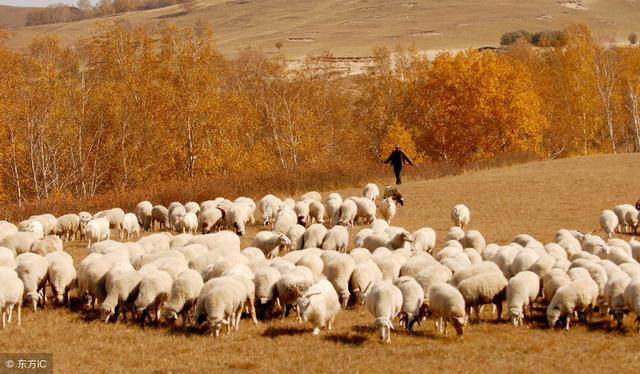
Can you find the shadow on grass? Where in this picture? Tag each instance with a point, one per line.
(346, 339)
(275, 331)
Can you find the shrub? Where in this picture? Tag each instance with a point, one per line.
(513, 36)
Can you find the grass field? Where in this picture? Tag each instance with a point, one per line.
(536, 198)
(351, 28)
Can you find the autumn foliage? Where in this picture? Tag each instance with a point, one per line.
(135, 109)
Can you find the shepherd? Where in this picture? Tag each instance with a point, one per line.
(397, 158)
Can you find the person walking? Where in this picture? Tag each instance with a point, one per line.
(397, 158)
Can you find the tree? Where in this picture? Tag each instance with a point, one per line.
(633, 38)
(397, 134)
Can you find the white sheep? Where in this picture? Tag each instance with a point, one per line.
(301, 208)
(522, 291)
(389, 267)
(11, 292)
(552, 281)
(269, 206)
(314, 263)
(32, 226)
(364, 274)
(608, 222)
(460, 215)
(67, 226)
(223, 242)
(159, 215)
(424, 239)
(271, 243)
(62, 275)
(384, 302)
(447, 306)
(193, 207)
(614, 295)
(291, 286)
(296, 235)
(415, 265)
(338, 271)
(474, 239)
(32, 269)
(314, 235)
(184, 293)
(19, 242)
(130, 225)
(7, 258)
(316, 212)
(189, 223)
(97, 230)
(337, 239)
(48, 222)
(366, 209)
(114, 217)
(122, 290)
(319, 305)
(154, 290)
(484, 288)
(219, 303)
(48, 244)
(265, 280)
(285, 219)
(431, 275)
(412, 301)
(632, 299)
(474, 269)
(333, 203)
(155, 243)
(210, 219)
(579, 295)
(455, 233)
(388, 209)
(371, 191)
(348, 213)
(143, 214)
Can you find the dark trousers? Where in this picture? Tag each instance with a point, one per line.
(396, 171)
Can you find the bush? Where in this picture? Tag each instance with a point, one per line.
(512, 37)
(633, 38)
(549, 38)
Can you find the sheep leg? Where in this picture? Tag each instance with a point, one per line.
(19, 313)
(4, 321)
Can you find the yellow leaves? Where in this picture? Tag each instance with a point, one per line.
(397, 134)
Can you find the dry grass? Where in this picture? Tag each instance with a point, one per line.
(538, 198)
(351, 28)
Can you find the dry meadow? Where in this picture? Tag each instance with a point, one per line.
(536, 198)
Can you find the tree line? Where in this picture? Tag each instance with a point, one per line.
(130, 109)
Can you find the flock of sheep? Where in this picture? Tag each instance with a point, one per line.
(194, 269)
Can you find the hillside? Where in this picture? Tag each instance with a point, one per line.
(536, 198)
(12, 16)
(352, 28)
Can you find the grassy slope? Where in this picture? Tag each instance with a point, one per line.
(12, 16)
(351, 28)
(537, 198)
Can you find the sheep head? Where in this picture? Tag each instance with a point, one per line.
(516, 315)
(553, 316)
(384, 326)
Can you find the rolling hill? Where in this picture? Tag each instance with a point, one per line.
(353, 27)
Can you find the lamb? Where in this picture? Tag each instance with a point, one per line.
(84, 217)
(11, 292)
(271, 243)
(314, 236)
(97, 230)
(348, 213)
(398, 240)
(384, 302)
(581, 295)
(319, 305)
(614, 295)
(522, 290)
(184, 293)
(412, 301)
(296, 235)
(189, 223)
(485, 288)
(48, 244)
(33, 269)
(19, 242)
(159, 215)
(364, 274)
(238, 216)
(632, 299)
(265, 280)
(154, 290)
(608, 222)
(144, 214)
(424, 239)
(285, 219)
(176, 213)
(291, 286)
(210, 220)
(333, 202)
(337, 239)
(460, 215)
(388, 208)
(62, 275)
(338, 271)
(447, 305)
(67, 226)
(122, 291)
(301, 208)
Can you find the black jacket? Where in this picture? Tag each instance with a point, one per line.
(397, 158)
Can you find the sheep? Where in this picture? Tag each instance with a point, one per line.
(431, 275)
(424, 239)
(143, 214)
(455, 233)
(522, 291)
(122, 291)
(11, 292)
(337, 238)
(393, 192)
(389, 267)
(296, 235)
(32, 226)
(91, 277)
(447, 305)
(7, 228)
(176, 213)
(580, 295)
(333, 203)
(484, 288)
(220, 302)
(223, 242)
(7, 258)
(552, 281)
(48, 221)
(159, 215)
(265, 280)
(366, 209)
(193, 207)
(412, 301)
(338, 271)
(210, 220)
(67, 226)
(32, 269)
(371, 191)
(291, 286)
(84, 217)
(301, 208)
(184, 293)
(113, 216)
(384, 302)
(523, 261)
(627, 216)
(314, 236)
(347, 213)
(364, 274)
(415, 265)
(61, 275)
(632, 299)
(285, 219)
(460, 215)
(130, 225)
(319, 305)
(189, 223)
(474, 239)
(614, 295)
(269, 206)
(97, 230)
(272, 244)
(474, 269)
(608, 222)
(314, 263)
(155, 243)
(48, 244)
(154, 290)
(388, 209)
(19, 242)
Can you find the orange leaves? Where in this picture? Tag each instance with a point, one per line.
(396, 133)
